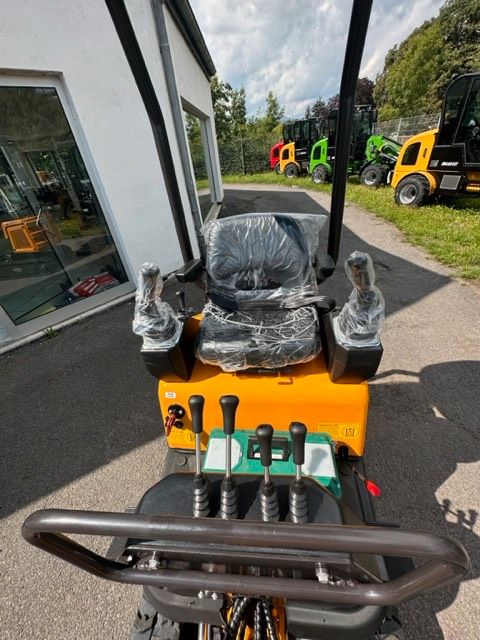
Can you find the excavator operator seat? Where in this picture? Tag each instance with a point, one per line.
(261, 290)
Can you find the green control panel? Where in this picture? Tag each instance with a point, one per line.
(319, 458)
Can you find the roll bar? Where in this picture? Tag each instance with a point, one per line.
(357, 34)
(445, 560)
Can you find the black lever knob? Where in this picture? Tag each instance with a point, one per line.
(229, 406)
(264, 433)
(196, 404)
(298, 433)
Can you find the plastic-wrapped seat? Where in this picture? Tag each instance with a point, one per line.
(261, 288)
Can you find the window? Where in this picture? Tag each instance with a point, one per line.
(276, 152)
(200, 160)
(55, 245)
(469, 129)
(316, 153)
(411, 154)
(452, 110)
(285, 154)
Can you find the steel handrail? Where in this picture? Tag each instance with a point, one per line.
(446, 560)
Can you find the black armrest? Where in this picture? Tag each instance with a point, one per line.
(190, 271)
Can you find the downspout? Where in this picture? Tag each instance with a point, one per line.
(167, 63)
(133, 53)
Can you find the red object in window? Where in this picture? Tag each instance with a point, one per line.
(93, 284)
(274, 155)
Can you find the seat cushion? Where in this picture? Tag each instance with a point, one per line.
(270, 339)
(262, 259)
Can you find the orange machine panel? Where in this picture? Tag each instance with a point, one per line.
(305, 394)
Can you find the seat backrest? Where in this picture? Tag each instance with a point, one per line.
(262, 259)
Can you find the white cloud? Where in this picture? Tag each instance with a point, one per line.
(296, 49)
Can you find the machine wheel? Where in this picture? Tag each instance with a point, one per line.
(373, 175)
(151, 625)
(277, 169)
(413, 191)
(391, 628)
(291, 170)
(320, 175)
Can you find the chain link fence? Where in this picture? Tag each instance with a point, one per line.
(403, 128)
(242, 155)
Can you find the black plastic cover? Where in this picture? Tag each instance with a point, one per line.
(347, 365)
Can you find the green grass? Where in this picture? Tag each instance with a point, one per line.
(449, 232)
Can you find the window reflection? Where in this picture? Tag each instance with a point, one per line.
(55, 246)
(199, 157)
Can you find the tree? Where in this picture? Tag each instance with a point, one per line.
(221, 96)
(192, 125)
(274, 113)
(417, 72)
(319, 109)
(238, 111)
(364, 92)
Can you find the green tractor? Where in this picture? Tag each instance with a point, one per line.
(372, 156)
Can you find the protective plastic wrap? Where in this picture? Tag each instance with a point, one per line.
(361, 319)
(270, 339)
(153, 319)
(260, 259)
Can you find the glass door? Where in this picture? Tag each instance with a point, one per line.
(55, 246)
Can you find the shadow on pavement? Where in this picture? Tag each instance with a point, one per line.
(432, 427)
(72, 404)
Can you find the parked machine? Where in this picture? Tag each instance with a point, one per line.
(274, 156)
(372, 156)
(298, 138)
(262, 525)
(444, 161)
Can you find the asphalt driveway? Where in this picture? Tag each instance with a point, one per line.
(81, 429)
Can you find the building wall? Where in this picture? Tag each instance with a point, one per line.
(195, 89)
(77, 42)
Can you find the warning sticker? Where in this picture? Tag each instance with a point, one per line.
(170, 394)
(339, 430)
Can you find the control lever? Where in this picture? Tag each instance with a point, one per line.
(297, 496)
(182, 307)
(228, 490)
(268, 491)
(201, 486)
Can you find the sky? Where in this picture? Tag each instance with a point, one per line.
(295, 48)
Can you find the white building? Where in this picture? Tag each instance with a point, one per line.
(83, 200)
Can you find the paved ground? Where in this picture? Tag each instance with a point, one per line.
(81, 429)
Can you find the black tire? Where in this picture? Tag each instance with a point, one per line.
(391, 628)
(373, 175)
(320, 175)
(412, 191)
(277, 169)
(291, 171)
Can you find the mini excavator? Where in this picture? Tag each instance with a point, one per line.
(263, 526)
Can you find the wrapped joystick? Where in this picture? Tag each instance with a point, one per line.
(361, 319)
(154, 320)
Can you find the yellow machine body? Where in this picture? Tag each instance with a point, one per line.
(403, 168)
(305, 393)
(287, 156)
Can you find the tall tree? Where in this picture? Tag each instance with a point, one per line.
(221, 97)
(274, 112)
(364, 92)
(238, 111)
